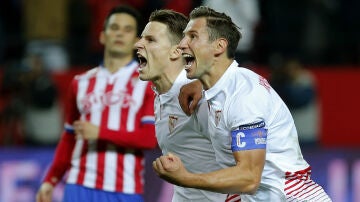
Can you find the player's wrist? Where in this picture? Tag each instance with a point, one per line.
(188, 179)
(51, 180)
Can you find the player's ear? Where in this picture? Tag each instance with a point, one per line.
(102, 37)
(175, 52)
(221, 45)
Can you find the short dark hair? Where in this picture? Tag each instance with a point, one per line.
(130, 11)
(219, 25)
(176, 22)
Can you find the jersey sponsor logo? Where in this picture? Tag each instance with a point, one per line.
(123, 99)
(252, 126)
(172, 122)
(264, 82)
(249, 136)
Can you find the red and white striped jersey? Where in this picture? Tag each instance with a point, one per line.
(122, 106)
(300, 187)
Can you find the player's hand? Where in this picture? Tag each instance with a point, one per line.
(170, 168)
(85, 130)
(45, 192)
(189, 96)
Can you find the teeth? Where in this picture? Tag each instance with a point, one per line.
(142, 60)
(185, 55)
(189, 60)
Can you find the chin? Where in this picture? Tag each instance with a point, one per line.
(189, 76)
(142, 77)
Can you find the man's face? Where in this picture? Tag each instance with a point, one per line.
(120, 34)
(153, 50)
(198, 51)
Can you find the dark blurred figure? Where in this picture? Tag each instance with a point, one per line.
(297, 87)
(283, 26)
(349, 31)
(323, 32)
(2, 42)
(11, 39)
(41, 103)
(78, 40)
(29, 101)
(12, 106)
(320, 43)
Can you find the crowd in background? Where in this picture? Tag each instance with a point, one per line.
(322, 32)
(40, 36)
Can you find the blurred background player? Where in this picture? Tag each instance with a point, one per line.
(161, 62)
(297, 87)
(109, 121)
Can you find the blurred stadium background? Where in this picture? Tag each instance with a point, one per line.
(59, 39)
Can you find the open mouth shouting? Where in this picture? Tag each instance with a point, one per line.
(189, 60)
(142, 61)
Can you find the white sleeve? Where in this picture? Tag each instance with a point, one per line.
(248, 107)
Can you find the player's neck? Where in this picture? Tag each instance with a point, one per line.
(215, 72)
(166, 80)
(113, 64)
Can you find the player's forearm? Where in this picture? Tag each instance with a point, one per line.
(62, 159)
(228, 180)
(143, 138)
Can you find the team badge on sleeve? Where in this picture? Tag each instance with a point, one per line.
(249, 136)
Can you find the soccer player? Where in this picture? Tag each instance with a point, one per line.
(252, 131)
(109, 122)
(161, 62)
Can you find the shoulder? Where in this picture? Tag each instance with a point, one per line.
(87, 74)
(246, 84)
(250, 98)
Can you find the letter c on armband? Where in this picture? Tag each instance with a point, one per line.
(238, 140)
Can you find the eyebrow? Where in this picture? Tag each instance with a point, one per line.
(147, 36)
(190, 32)
(126, 26)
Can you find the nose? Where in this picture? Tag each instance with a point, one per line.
(119, 32)
(183, 44)
(138, 44)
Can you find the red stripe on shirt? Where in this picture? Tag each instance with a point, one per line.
(120, 168)
(233, 198)
(139, 172)
(82, 168)
(101, 147)
(84, 149)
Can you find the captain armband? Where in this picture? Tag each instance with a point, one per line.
(249, 136)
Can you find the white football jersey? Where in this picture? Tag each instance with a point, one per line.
(186, 137)
(242, 98)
